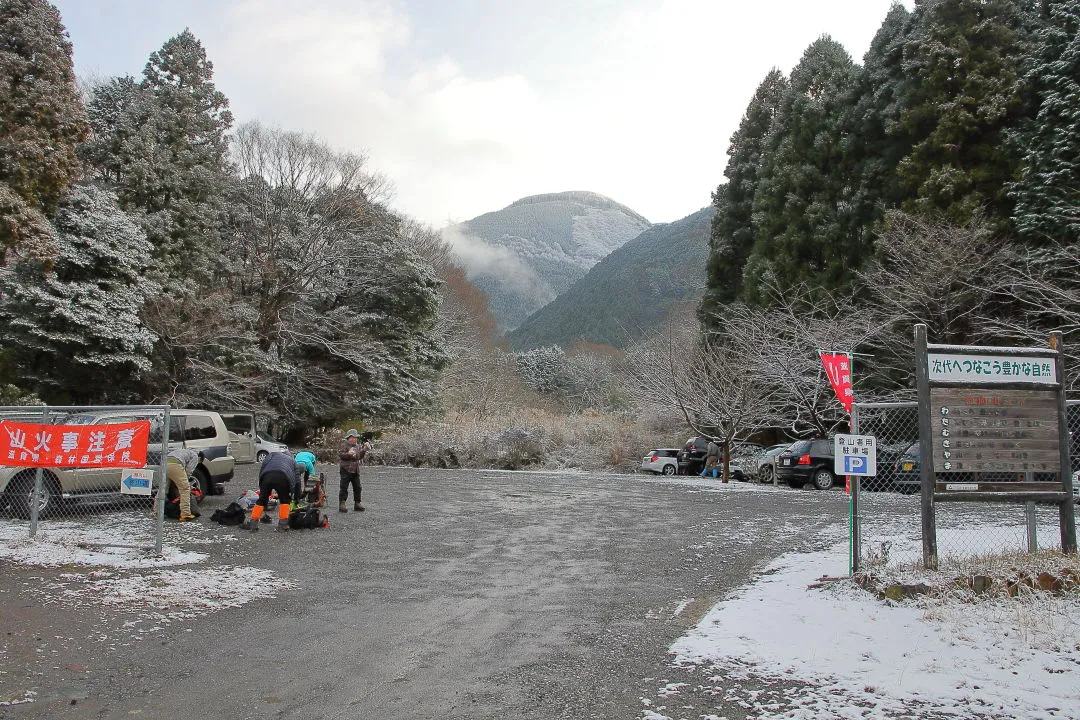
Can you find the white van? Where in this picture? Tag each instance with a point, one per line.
(248, 443)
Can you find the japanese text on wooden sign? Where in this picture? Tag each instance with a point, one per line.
(970, 368)
(1006, 430)
(32, 445)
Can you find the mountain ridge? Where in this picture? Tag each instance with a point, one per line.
(639, 285)
(526, 254)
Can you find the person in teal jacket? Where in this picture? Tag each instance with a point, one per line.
(305, 468)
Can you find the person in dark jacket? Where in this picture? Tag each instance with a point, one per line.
(351, 454)
(278, 473)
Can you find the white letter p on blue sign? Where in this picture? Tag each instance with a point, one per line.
(854, 464)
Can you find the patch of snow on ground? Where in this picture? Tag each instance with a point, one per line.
(133, 579)
(172, 594)
(28, 697)
(864, 658)
(98, 542)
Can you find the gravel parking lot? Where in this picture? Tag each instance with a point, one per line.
(458, 594)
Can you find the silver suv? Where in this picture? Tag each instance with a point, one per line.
(200, 430)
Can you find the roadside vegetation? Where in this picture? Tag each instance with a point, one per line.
(154, 251)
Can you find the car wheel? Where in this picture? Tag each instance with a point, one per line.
(260, 456)
(669, 469)
(765, 475)
(23, 489)
(202, 478)
(823, 479)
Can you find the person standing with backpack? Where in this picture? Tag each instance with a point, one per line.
(349, 467)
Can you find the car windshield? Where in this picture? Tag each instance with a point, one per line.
(263, 435)
(80, 419)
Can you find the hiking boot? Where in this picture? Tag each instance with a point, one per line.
(266, 520)
(358, 507)
(342, 507)
(187, 518)
(282, 525)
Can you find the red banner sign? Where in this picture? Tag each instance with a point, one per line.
(838, 368)
(121, 445)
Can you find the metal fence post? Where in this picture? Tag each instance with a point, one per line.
(853, 502)
(39, 477)
(1032, 533)
(162, 483)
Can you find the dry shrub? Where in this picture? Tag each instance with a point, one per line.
(530, 438)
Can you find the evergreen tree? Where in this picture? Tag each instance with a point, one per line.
(113, 110)
(41, 120)
(732, 234)
(964, 89)
(806, 229)
(1047, 193)
(877, 141)
(163, 144)
(72, 326)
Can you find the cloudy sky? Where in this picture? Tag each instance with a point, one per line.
(468, 105)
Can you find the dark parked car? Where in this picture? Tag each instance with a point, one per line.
(692, 456)
(807, 461)
(907, 478)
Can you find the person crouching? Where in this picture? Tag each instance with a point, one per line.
(278, 473)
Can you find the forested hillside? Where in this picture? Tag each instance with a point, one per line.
(656, 277)
(933, 183)
(152, 252)
(526, 254)
(961, 111)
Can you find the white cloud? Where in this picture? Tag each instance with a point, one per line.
(484, 260)
(633, 100)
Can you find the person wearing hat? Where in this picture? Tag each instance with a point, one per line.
(349, 466)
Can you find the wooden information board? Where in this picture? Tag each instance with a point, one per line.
(994, 430)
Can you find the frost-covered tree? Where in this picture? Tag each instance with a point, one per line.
(805, 226)
(114, 110)
(962, 88)
(162, 144)
(732, 235)
(343, 310)
(72, 326)
(1047, 193)
(41, 120)
(545, 370)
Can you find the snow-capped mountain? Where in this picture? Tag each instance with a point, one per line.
(657, 277)
(526, 254)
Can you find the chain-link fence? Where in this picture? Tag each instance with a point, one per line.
(66, 476)
(970, 535)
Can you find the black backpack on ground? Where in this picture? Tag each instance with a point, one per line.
(231, 515)
(306, 518)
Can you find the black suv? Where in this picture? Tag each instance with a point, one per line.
(807, 461)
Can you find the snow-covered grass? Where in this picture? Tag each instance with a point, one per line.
(834, 650)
